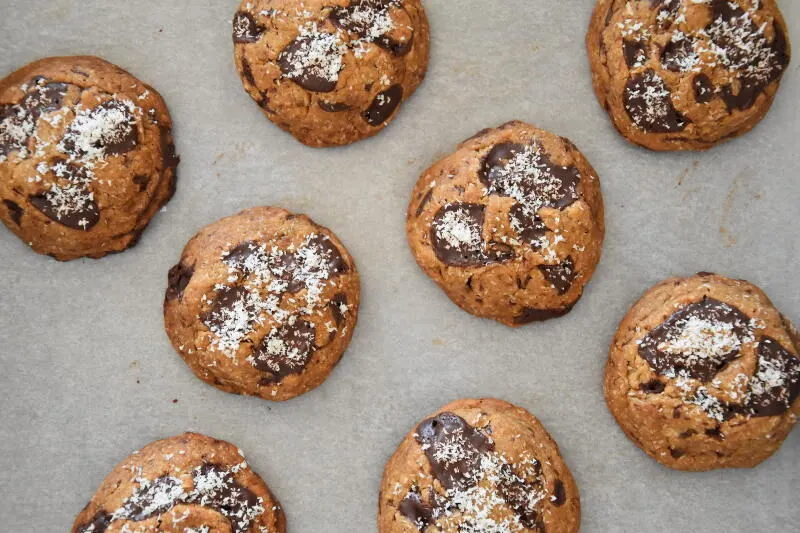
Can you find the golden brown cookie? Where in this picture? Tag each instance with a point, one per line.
(687, 74)
(478, 466)
(185, 484)
(331, 72)
(510, 225)
(704, 373)
(263, 303)
(86, 156)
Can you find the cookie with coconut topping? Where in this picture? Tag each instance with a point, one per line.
(510, 225)
(185, 484)
(331, 72)
(704, 373)
(687, 74)
(477, 466)
(263, 303)
(86, 156)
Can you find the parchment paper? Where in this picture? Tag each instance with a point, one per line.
(87, 374)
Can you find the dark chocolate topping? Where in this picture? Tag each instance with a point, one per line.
(14, 211)
(697, 341)
(109, 127)
(635, 53)
(648, 102)
(516, 492)
(18, 122)
(559, 494)
(530, 315)
(560, 276)
(286, 349)
(457, 237)
(178, 279)
(703, 89)
(337, 303)
(679, 54)
(363, 16)
(776, 383)
(384, 104)
(246, 29)
(333, 107)
(531, 229)
(417, 511)
(313, 61)
(69, 200)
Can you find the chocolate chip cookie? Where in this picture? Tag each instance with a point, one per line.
(510, 225)
(704, 373)
(86, 156)
(185, 484)
(687, 74)
(331, 72)
(263, 303)
(478, 466)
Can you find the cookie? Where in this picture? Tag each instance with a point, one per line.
(185, 484)
(331, 72)
(704, 373)
(687, 74)
(86, 156)
(510, 225)
(263, 303)
(478, 466)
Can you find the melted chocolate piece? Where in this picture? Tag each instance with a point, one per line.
(417, 511)
(286, 350)
(141, 180)
(457, 239)
(247, 72)
(668, 10)
(237, 256)
(320, 256)
(561, 275)
(225, 301)
(178, 279)
(99, 523)
(653, 386)
(530, 315)
(776, 384)
(151, 500)
(559, 494)
(516, 492)
(359, 18)
(708, 327)
(310, 73)
(42, 96)
(14, 211)
(679, 55)
(246, 29)
(383, 106)
(635, 53)
(336, 308)
(333, 107)
(170, 158)
(703, 89)
(453, 448)
(530, 229)
(424, 202)
(72, 205)
(648, 102)
(226, 496)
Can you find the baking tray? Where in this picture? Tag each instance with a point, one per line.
(88, 374)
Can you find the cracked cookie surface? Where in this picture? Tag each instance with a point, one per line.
(184, 484)
(704, 373)
(687, 74)
(331, 72)
(478, 466)
(511, 225)
(86, 156)
(263, 303)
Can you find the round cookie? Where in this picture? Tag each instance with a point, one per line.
(704, 373)
(687, 74)
(331, 72)
(263, 303)
(476, 466)
(510, 225)
(86, 156)
(185, 484)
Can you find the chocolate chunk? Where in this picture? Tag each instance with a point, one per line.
(453, 448)
(561, 275)
(313, 62)
(367, 17)
(715, 433)
(530, 315)
(776, 383)
(69, 200)
(238, 256)
(141, 180)
(286, 350)
(531, 229)
(383, 106)
(559, 494)
(14, 211)
(228, 303)
(457, 239)
(178, 279)
(44, 96)
(653, 386)
(516, 492)
(417, 511)
(247, 71)
(18, 122)
(152, 499)
(648, 102)
(635, 53)
(676, 453)
(703, 89)
(679, 54)
(99, 523)
(697, 341)
(333, 107)
(246, 29)
(110, 128)
(424, 202)
(337, 304)
(170, 158)
(668, 11)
